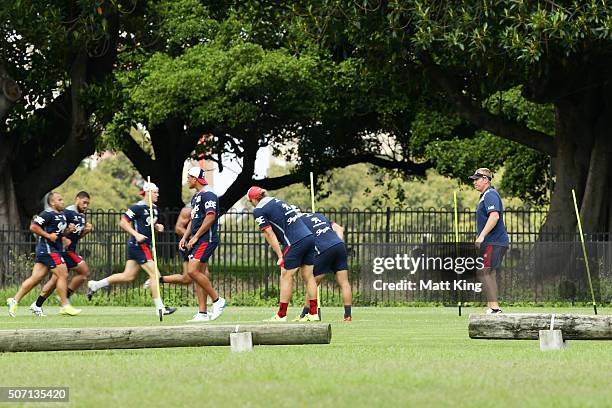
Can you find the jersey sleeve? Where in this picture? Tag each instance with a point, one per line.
(41, 219)
(131, 213)
(492, 203)
(210, 204)
(261, 219)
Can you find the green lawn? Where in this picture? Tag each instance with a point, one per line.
(386, 357)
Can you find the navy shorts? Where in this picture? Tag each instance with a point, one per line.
(50, 260)
(300, 253)
(139, 252)
(72, 259)
(203, 250)
(184, 254)
(333, 259)
(492, 255)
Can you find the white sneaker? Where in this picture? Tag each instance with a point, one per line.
(218, 307)
(12, 307)
(199, 318)
(38, 311)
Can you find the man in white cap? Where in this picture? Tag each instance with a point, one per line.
(136, 221)
(201, 238)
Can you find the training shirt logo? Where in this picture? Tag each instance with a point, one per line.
(260, 220)
(210, 204)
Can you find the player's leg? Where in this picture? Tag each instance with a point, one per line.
(149, 268)
(318, 279)
(201, 296)
(198, 271)
(286, 288)
(39, 271)
(130, 272)
(61, 271)
(82, 270)
(310, 283)
(488, 276)
(347, 296)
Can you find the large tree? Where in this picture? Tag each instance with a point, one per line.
(244, 87)
(55, 51)
(555, 53)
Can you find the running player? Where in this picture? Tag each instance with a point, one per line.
(331, 257)
(282, 222)
(136, 221)
(50, 225)
(75, 214)
(201, 238)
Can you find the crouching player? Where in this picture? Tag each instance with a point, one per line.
(331, 257)
(75, 214)
(136, 221)
(50, 225)
(282, 222)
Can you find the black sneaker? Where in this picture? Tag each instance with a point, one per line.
(493, 311)
(169, 310)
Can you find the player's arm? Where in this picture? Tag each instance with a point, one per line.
(182, 222)
(273, 242)
(86, 230)
(126, 225)
(338, 230)
(37, 229)
(491, 222)
(206, 224)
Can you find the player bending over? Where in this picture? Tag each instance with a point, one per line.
(282, 222)
(331, 256)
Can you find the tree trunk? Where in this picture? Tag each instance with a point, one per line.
(583, 149)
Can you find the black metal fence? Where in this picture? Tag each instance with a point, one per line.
(539, 267)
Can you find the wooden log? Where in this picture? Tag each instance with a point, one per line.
(101, 338)
(526, 326)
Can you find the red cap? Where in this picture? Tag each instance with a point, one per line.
(255, 193)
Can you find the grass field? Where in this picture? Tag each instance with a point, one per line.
(385, 357)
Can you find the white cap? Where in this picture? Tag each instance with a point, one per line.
(198, 173)
(148, 187)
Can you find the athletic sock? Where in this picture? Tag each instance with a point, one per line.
(100, 284)
(347, 310)
(282, 309)
(202, 313)
(215, 301)
(161, 279)
(313, 306)
(41, 299)
(69, 292)
(158, 303)
(305, 311)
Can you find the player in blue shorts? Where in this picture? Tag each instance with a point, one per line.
(50, 226)
(282, 225)
(201, 238)
(136, 221)
(75, 214)
(331, 256)
(492, 237)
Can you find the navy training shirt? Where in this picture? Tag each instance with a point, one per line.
(491, 201)
(140, 216)
(321, 227)
(284, 219)
(203, 203)
(78, 219)
(52, 222)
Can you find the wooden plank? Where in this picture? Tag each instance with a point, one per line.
(525, 326)
(101, 338)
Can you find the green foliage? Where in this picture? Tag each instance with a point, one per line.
(111, 184)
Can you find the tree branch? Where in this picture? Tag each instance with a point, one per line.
(139, 158)
(484, 119)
